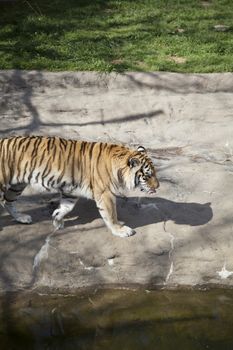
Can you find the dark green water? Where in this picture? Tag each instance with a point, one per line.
(118, 319)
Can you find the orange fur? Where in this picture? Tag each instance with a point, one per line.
(74, 168)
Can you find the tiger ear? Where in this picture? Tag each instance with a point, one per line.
(141, 149)
(133, 162)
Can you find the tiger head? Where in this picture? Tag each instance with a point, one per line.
(142, 174)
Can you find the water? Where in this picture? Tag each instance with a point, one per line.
(118, 319)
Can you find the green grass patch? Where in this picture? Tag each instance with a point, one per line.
(115, 35)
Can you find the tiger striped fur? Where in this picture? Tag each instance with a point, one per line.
(95, 170)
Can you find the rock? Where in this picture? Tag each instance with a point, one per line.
(221, 28)
(184, 234)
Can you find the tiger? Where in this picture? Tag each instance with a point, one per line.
(95, 170)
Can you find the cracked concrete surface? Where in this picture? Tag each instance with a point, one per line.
(184, 234)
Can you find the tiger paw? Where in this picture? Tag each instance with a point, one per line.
(24, 219)
(58, 224)
(123, 231)
(58, 221)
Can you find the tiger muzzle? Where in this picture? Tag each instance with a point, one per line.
(152, 189)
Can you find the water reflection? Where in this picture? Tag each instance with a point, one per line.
(118, 319)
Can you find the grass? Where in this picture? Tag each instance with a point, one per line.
(115, 35)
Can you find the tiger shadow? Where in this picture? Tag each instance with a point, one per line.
(134, 211)
(146, 211)
(137, 212)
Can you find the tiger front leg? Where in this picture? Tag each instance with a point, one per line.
(106, 204)
(66, 205)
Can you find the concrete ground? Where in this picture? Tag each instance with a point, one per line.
(184, 234)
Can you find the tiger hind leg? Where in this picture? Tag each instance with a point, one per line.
(9, 198)
(66, 205)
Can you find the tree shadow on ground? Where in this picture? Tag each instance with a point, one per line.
(24, 118)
